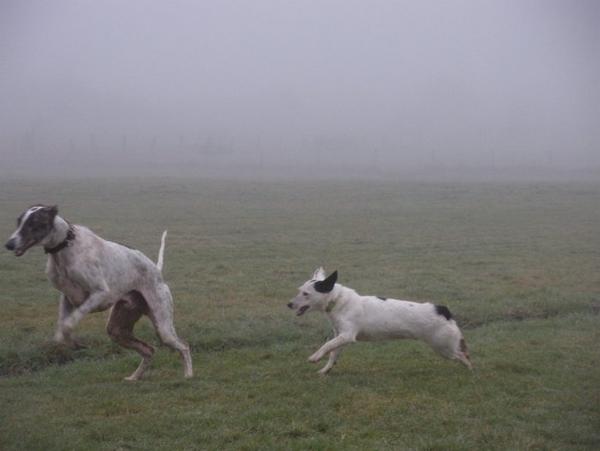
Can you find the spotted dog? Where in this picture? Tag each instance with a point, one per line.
(369, 318)
(93, 275)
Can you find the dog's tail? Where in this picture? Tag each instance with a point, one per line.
(161, 251)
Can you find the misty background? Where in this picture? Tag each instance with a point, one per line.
(300, 88)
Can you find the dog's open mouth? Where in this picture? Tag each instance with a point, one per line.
(19, 252)
(302, 310)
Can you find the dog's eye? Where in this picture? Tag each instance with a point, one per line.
(305, 294)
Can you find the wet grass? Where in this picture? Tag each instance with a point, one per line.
(518, 265)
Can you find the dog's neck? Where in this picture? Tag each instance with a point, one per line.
(60, 232)
(336, 297)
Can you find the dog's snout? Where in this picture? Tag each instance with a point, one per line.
(290, 305)
(10, 244)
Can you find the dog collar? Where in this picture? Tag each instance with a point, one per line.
(330, 306)
(64, 243)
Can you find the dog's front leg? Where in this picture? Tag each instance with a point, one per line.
(93, 302)
(62, 335)
(331, 345)
(333, 356)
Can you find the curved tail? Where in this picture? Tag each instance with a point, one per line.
(161, 251)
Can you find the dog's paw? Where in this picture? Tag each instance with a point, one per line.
(68, 326)
(59, 338)
(324, 371)
(314, 358)
(77, 345)
(62, 339)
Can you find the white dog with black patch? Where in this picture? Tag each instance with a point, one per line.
(369, 318)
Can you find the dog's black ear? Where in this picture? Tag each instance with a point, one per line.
(325, 286)
(52, 211)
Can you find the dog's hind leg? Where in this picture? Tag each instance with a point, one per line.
(462, 355)
(161, 314)
(123, 316)
(168, 336)
(451, 346)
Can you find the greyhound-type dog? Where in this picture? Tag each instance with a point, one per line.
(93, 275)
(368, 318)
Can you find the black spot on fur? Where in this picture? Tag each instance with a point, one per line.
(383, 299)
(443, 311)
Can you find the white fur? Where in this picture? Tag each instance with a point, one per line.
(369, 318)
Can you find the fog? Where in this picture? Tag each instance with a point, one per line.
(300, 88)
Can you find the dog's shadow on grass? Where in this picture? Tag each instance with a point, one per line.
(49, 353)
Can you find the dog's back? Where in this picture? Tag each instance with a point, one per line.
(381, 318)
(103, 262)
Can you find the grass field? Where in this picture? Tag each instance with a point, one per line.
(519, 266)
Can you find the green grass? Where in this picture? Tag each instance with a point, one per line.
(518, 265)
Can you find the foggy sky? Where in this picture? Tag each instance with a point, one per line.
(371, 85)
